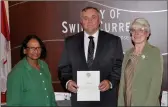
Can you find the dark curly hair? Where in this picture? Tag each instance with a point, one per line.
(24, 46)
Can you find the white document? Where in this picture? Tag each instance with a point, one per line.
(164, 98)
(88, 83)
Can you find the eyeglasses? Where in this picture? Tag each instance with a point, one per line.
(34, 48)
(133, 31)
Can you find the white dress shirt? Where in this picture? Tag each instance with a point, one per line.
(86, 43)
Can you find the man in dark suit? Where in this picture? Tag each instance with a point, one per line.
(93, 50)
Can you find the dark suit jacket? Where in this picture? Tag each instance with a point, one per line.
(108, 61)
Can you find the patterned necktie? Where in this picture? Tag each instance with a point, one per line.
(90, 52)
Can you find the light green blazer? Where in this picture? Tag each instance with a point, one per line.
(147, 78)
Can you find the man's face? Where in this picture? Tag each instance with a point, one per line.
(33, 50)
(90, 21)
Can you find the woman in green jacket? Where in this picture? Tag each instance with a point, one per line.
(142, 69)
(29, 83)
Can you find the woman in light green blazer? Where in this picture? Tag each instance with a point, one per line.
(142, 69)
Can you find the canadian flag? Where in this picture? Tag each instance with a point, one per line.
(5, 51)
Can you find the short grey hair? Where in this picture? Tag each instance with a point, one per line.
(90, 7)
(141, 23)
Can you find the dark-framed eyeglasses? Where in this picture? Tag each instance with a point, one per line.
(34, 48)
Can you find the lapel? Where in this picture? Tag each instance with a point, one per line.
(141, 59)
(82, 50)
(143, 56)
(146, 49)
(99, 50)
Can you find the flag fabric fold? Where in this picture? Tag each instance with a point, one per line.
(5, 51)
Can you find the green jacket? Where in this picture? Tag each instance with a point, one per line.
(27, 86)
(147, 78)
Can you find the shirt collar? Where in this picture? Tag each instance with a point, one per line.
(28, 66)
(95, 35)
